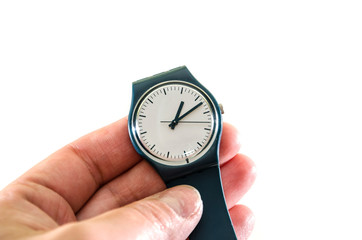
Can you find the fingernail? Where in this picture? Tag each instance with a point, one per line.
(184, 200)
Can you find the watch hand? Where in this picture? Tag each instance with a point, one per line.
(174, 121)
(185, 122)
(188, 112)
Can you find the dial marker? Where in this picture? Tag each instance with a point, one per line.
(164, 91)
(150, 101)
(187, 159)
(153, 146)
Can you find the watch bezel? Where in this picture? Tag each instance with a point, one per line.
(193, 159)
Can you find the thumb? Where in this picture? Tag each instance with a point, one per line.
(171, 214)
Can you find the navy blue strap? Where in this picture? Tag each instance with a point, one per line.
(215, 222)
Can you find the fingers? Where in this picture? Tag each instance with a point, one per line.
(243, 220)
(171, 214)
(76, 171)
(229, 144)
(238, 175)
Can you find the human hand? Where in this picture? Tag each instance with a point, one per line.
(98, 187)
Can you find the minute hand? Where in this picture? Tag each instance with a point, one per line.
(188, 112)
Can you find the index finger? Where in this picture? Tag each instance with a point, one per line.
(76, 171)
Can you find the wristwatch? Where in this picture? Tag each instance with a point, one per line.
(175, 124)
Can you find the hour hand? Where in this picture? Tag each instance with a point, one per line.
(174, 122)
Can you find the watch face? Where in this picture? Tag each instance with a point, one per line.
(174, 123)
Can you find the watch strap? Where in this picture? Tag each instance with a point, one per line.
(215, 222)
(173, 72)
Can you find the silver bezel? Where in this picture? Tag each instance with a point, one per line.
(163, 161)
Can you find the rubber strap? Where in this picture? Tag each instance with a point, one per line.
(215, 222)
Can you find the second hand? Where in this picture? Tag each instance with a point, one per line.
(187, 121)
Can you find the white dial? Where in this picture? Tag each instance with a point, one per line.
(174, 123)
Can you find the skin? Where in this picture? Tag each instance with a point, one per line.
(98, 187)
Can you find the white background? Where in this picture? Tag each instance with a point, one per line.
(287, 72)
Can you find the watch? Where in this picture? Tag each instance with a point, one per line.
(175, 124)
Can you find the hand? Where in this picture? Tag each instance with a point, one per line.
(98, 187)
(189, 111)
